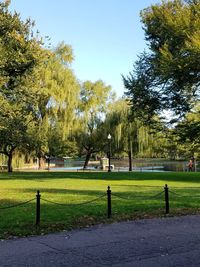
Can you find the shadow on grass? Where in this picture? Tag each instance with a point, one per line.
(94, 193)
(112, 176)
(59, 191)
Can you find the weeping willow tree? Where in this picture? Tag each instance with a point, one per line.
(57, 103)
(151, 143)
(119, 124)
(116, 124)
(66, 90)
(94, 100)
(131, 136)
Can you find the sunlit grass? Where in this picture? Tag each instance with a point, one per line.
(134, 195)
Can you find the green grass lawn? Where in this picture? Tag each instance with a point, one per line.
(134, 195)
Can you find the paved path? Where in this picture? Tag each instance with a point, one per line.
(154, 242)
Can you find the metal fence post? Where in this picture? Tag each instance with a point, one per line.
(109, 201)
(38, 208)
(166, 199)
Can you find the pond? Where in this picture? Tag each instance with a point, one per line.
(143, 165)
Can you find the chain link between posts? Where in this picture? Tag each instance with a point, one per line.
(74, 204)
(17, 205)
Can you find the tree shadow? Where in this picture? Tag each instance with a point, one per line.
(62, 191)
(186, 177)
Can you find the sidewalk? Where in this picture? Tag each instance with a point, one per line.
(153, 242)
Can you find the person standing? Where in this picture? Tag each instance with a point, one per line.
(190, 165)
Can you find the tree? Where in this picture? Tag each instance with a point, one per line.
(57, 102)
(93, 104)
(119, 124)
(13, 130)
(131, 137)
(172, 30)
(20, 53)
(142, 91)
(187, 132)
(170, 75)
(59, 147)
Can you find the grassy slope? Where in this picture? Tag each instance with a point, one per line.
(77, 187)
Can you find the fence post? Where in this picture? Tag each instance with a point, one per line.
(109, 201)
(166, 199)
(38, 208)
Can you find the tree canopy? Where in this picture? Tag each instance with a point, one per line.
(20, 53)
(167, 75)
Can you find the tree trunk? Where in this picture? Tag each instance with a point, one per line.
(10, 156)
(130, 160)
(48, 163)
(130, 154)
(87, 159)
(41, 163)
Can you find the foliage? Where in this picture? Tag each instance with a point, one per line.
(168, 76)
(46, 112)
(57, 103)
(93, 106)
(172, 30)
(20, 54)
(59, 147)
(131, 134)
(187, 132)
(141, 90)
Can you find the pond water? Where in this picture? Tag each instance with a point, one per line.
(143, 165)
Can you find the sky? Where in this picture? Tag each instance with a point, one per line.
(106, 35)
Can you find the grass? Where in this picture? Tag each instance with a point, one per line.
(134, 195)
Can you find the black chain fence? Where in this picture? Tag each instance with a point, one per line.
(138, 197)
(108, 196)
(74, 204)
(17, 205)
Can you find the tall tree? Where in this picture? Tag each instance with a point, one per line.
(172, 30)
(119, 124)
(172, 69)
(20, 53)
(58, 101)
(93, 104)
(13, 130)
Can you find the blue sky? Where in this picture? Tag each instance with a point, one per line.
(106, 35)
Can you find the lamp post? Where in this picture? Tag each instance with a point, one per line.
(109, 155)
